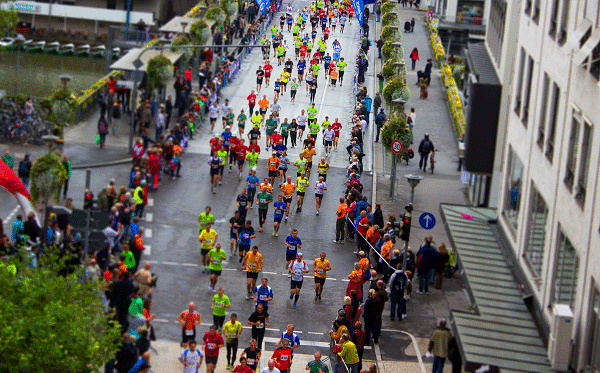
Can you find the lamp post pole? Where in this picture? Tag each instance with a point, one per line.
(414, 180)
(19, 41)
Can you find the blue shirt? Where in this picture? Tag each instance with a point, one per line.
(134, 228)
(279, 149)
(244, 235)
(301, 66)
(280, 207)
(277, 86)
(294, 243)
(327, 59)
(368, 102)
(226, 136)
(137, 366)
(17, 228)
(262, 293)
(294, 340)
(284, 163)
(253, 181)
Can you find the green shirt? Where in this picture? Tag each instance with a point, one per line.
(314, 128)
(309, 45)
(242, 120)
(294, 85)
(129, 259)
(280, 50)
(296, 28)
(232, 330)
(316, 367)
(341, 65)
(270, 126)
(223, 155)
(229, 118)
(252, 159)
(220, 302)
(216, 257)
(263, 200)
(285, 127)
(205, 218)
(301, 164)
(274, 30)
(312, 112)
(316, 69)
(9, 160)
(136, 307)
(302, 183)
(325, 124)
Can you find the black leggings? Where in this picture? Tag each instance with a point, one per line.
(232, 158)
(293, 93)
(251, 194)
(232, 352)
(218, 321)
(262, 216)
(293, 135)
(285, 140)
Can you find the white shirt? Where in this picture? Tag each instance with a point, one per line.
(267, 370)
(328, 134)
(192, 358)
(413, 117)
(302, 119)
(298, 270)
(319, 187)
(213, 111)
(363, 124)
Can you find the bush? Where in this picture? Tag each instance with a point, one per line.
(200, 32)
(160, 70)
(391, 32)
(216, 14)
(392, 86)
(390, 19)
(389, 50)
(395, 128)
(48, 175)
(389, 69)
(186, 52)
(229, 7)
(388, 7)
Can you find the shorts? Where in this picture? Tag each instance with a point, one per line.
(244, 248)
(287, 200)
(300, 194)
(284, 84)
(252, 275)
(185, 338)
(214, 171)
(320, 280)
(272, 173)
(259, 80)
(277, 219)
(328, 142)
(309, 164)
(333, 81)
(262, 111)
(302, 127)
(212, 120)
(204, 252)
(337, 135)
(300, 72)
(240, 162)
(317, 195)
(289, 257)
(296, 285)
(232, 235)
(211, 359)
(215, 272)
(267, 76)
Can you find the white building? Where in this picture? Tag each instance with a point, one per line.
(550, 187)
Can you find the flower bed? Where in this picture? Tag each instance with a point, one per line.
(436, 42)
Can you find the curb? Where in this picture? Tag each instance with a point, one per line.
(104, 164)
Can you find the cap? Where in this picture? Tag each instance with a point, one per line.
(274, 152)
(381, 110)
(299, 254)
(227, 127)
(426, 134)
(143, 182)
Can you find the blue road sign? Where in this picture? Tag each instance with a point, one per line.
(427, 220)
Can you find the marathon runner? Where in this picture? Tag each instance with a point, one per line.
(258, 320)
(282, 356)
(292, 243)
(280, 207)
(263, 199)
(212, 343)
(322, 168)
(320, 188)
(214, 163)
(208, 238)
(220, 303)
(273, 164)
(336, 126)
(297, 269)
(244, 235)
(216, 256)
(252, 264)
(288, 189)
(320, 267)
(205, 217)
(232, 331)
(260, 74)
(252, 181)
(301, 184)
(188, 320)
(252, 354)
(263, 294)
(234, 224)
(302, 120)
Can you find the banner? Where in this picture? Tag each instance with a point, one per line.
(263, 5)
(359, 10)
(10, 182)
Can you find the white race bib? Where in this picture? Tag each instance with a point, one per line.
(261, 325)
(284, 357)
(252, 266)
(250, 361)
(211, 346)
(189, 332)
(262, 297)
(216, 261)
(320, 271)
(219, 304)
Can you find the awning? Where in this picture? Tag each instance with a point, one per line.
(175, 24)
(501, 332)
(126, 62)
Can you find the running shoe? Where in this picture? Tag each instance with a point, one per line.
(295, 305)
(291, 296)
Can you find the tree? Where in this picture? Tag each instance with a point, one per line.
(8, 20)
(395, 128)
(52, 323)
(48, 176)
(200, 32)
(160, 70)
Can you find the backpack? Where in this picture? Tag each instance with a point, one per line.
(419, 262)
(23, 168)
(399, 282)
(102, 127)
(426, 147)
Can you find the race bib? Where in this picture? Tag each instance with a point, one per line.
(246, 236)
(189, 332)
(250, 361)
(211, 346)
(262, 297)
(320, 271)
(297, 271)
(261, 325)
(219, 304)
(284, 357)
(252, 266)
(216, 261)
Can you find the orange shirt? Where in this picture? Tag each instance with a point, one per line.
(267, 185)
(288, 189)
(386, 250)
(341, 210)
(333, 74)
(364, 264)
(356, 276)
(190, 319)
(308, 154)
(274, 163)
(370, 233)
(263, 103)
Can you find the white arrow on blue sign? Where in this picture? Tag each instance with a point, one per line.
(427, 220)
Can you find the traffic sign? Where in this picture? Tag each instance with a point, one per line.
(427, 220)
(396, 146)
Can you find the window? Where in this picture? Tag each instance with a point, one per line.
(564, 20)
(536, 237)
(525, 114)
(520, 83)
(512, 200)
(565, 274)
(544, 109)
(572, 154)
(535, 16)
(584, 162)
(495, 33)
(595, 62)
(552, 125)
(553, 19)
(594, 339)
(528, 6)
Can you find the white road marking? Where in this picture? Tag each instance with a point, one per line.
(149, 217)
(147, 250)
(148, 233)
(12, 213)
(150, 202)
(302, 343)
(315, 333)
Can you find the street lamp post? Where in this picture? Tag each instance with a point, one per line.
(65, 79)
(18, 41)
(413, 180)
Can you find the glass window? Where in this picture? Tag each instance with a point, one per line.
(520, 82)
(584, 162)
(543, 110)
(554, 19)
(553, 118)
(572, 154)
(564, 20)
(527, 94)
(536, 237)
(565, 276)
(594, 353)
(513, 188)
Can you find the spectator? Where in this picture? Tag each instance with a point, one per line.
(438, 346)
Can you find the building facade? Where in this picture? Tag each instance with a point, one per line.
(550, 184)
(460, 21)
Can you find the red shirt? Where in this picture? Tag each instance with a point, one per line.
(275, 138)
(268, 68)
(362, 226)
(251, 99)
(245, 369)
(241, 151)
(211, 343)
(282, 357)
(303, 50)
(112, 85)
(256, 147)
(188, 74)
(336, 126)
(234, 141)
(190, 319)
(215, 145)
(326, 33)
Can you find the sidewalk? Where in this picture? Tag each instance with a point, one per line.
(442, 186)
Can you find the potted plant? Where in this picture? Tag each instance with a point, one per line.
(200, 32)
